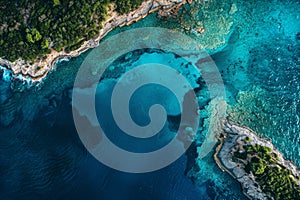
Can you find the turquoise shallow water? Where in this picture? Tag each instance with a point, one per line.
(41, 152)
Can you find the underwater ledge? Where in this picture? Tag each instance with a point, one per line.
(256, 164)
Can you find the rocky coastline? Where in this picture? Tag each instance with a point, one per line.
(232, 141)
(42, 66)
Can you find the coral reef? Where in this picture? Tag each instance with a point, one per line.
(209, 21)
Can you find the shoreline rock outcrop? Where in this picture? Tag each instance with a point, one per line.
(42, 66)
(231, 142)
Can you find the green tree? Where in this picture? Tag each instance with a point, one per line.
(29, 38)
(56, 2)
(45, 44)
(36, 35)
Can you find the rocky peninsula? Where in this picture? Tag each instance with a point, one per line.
(38, 69)
(256, 164)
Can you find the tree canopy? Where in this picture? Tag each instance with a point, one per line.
(29, 27)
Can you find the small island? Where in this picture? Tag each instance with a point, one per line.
(259, 167)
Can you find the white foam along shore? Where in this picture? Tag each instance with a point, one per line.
(38, 70)
(7, 76)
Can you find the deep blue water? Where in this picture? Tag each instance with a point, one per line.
(41, 155)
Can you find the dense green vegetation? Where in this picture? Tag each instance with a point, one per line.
(28, 28)
(275, 180)
(124, 6)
